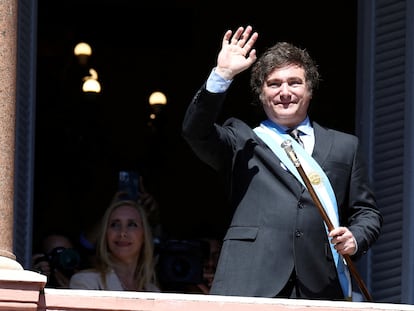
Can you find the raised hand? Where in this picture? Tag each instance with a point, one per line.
(237, 53)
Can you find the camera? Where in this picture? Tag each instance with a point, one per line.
(66, 260)
(180, 261)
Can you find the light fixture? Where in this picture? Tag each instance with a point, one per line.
(157, 98)
(82, 51)
(157, 101)
(91, 86)
(91, 83)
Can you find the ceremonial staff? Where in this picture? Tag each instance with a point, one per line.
(287, 146)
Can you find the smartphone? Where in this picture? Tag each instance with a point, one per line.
(128, 181)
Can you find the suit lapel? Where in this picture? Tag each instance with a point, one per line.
(323, 143)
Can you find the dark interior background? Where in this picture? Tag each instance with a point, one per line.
(138, 47)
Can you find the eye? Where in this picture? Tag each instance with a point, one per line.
(134, 224)
(295, 82)
(274, 84)
(115, 224)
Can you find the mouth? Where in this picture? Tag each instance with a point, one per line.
(284, 104)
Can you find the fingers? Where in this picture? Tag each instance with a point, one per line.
(238, 35)
(343, 240)
(141, 185)
(249, 45)
(242, 37)
(40, 264)
(227, 37)
(61, 279)
(345, 249)
(236, 54)
(42, 267)
(146, 199)
(340, 232)
(149, 203)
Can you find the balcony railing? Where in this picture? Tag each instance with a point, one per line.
(24, 290)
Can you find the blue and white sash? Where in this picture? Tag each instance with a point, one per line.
(273, 137)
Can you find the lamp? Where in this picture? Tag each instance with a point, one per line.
(82, 51)
(91, 86)
(157, 100)
(91, 83)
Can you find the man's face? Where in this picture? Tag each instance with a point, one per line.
(285, 95)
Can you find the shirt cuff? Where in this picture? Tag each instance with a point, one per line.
(216, 84)
(356, 247)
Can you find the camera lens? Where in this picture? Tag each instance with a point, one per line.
(181, 267)
(180, 262)
(65, 258)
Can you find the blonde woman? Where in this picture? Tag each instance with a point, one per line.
(124, 258)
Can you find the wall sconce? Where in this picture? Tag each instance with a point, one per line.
(91, 83)
(157, 100)
(82, 51)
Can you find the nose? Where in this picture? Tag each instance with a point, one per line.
(284, 88)
(123, 232)
(284, 93)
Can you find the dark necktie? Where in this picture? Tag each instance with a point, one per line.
(295, 134)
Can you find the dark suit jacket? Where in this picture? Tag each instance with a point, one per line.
(276, 227)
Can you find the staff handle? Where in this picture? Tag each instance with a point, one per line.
(287, 146)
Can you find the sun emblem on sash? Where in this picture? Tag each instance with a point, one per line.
(315, 178)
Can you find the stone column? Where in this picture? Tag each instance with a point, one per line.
(8, 56)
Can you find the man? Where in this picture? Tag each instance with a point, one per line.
(58, 259)
(277, 244)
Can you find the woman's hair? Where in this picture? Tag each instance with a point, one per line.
(145, 270)
(280, 55)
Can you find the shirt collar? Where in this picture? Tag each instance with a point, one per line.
(305, 126)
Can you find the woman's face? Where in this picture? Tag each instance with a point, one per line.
(125, 234)
(286, 96)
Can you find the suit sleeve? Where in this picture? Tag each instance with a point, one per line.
(206, 138)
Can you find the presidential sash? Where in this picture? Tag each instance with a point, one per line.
(273, 137)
